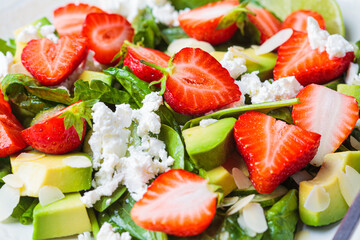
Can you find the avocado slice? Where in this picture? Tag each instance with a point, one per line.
(65, 217)
(350, 90)
(265, 62)
(327, 178)
(92, 75)
(220, 176)
(20, 45)
(51, 170)
(209, 147)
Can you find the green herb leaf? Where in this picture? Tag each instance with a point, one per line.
(182, 4)
(7, 47)
(236, 15)
(173, 33)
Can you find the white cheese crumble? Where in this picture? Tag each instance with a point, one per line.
(107, 233)
(34, 32)
(335, 45)
(234, 63)
(352, 75)
(84, 236)
(5, 62)
(165, 13)
(283, 88)
(123, 7)
(207, 122)
(117, 162)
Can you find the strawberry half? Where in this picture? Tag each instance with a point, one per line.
(327, 112)
(265, 22)
(69, 19)
(10, 128)
(297, 20)
(4, 103)
(142, 71)
(61, 132)
(297, 58)
(272, 149)
(51, 63)
(177, 202)
(106, 34)
(198, 83)
(201, 23)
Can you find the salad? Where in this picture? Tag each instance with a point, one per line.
(179, 120)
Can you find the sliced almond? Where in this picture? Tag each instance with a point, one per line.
(49, 194)
(349, 183)
(238, 51)
(176, 45)
(29, 156)
(354, 143)
(9, 198)
(254, 217)
(241, 181)
(240, 204)
(229, 201)
(301, 176)
(318, 199)
(77, 162)
(13, 181)
(242, 224)
(275, 41)
(302, 235)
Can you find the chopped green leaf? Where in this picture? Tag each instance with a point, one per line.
(182, 4)
(7, 47)
(236, 15)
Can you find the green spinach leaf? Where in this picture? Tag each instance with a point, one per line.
(182, 4)
(173, 33)
(7, 47)
(232, 230)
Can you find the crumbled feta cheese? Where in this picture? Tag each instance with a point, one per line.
(116, 162)
(166, 13)
(335, 45)
(5, 62)
(283, 88)
(34, 32)
(107, 233)
(91, 64)
(352, 76)
(84, 236)
(234, 63)
(123, 7)
(207, 122)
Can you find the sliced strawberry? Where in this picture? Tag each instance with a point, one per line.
(51, 136)
(177, 202)
(297, 20)
(201, 23)
(52, 63)
(198, 83)
(265, 22)
(4, 103)
(327, 112)
(106, 34)
(272, 149)
(69, 19)
(142, 71)
(10, 128)
(297, 58)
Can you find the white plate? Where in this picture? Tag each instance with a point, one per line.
(16, 13)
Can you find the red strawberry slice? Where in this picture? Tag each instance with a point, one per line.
(272, 149)
(106, 34)
(52, 63)
(142, 71)
(297, 58)
(297, 20)
(4, 103)
(327, 112)
(198, 83)
(10, 137)
(50, 136)
(177, 202)
(69, 19)
(201, 23)
(265, 22)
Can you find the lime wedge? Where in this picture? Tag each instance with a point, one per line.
(329, 9)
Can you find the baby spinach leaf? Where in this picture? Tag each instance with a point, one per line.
(174, 145)
(28, 216)
(282, 217)
(103, 203)
(182, 4)
(233, 231)
(5, 168)
(24, 210)
(282, 114)
(173, 33)
(7, 47)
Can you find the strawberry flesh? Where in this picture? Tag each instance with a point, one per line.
(198, 83)
(272, 149)
(297, 20)
(326, 112)
(52, 63)
(142, 71)
(297, 58)
(177, 202)
(106, 34)
(201, 23)
(69, 19)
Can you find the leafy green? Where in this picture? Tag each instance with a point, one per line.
(237, 111)
(24, 210)
(357, 52)
(118, 215)
(282, 217)
(173, 33)
(146, 30)
(237, 15)
(174, 145)
(282, 114)
(28, 216)
(182, 4)
(5, 168)
(7, 47)
(103, 203)
(94, 222)
(232, 230)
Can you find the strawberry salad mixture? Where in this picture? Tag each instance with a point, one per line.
(179, 119)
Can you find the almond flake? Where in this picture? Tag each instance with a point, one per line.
(275, 41)
(29, 156)
(178, 44)
(301, 176)
(242, 224)
(241, 181)
(229, 201)
(9, 199)
(349, 183)
(254, 217)
(13, 181)
(318, 199)
(239, 205)
(49, 194)
(77, 162)
(354, 143)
